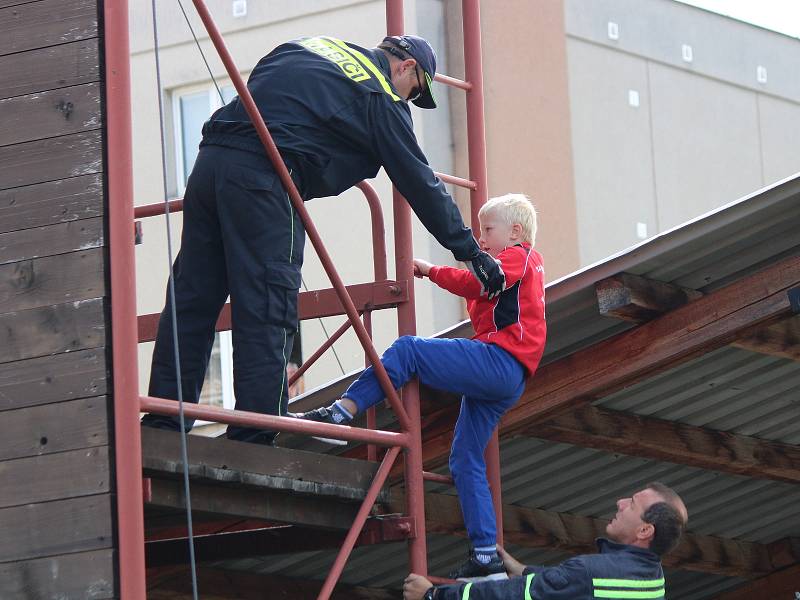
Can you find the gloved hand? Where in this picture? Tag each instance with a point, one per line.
(488, 272)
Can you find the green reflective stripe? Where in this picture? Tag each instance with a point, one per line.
(629, 583)
(528, 581)
(623, 594)
(430, 85)
(465, 592)
(369, 64)
(340, 57)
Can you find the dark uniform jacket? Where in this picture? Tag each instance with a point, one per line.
(618, 572)
(336, 118)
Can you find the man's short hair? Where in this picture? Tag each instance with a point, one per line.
(665, 518)
(514, 208)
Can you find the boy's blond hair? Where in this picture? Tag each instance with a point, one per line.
(514, 208)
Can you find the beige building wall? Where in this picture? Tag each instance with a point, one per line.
(527, 116)
(675, 112)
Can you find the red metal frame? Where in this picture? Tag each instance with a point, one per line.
(121, 214)
(127, 439)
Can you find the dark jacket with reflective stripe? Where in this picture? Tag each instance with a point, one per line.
(618, 572)
(336, 118)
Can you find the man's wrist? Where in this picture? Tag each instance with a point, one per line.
(430, 593)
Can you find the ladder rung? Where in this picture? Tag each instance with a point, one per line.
(465, 183)
(453, 82)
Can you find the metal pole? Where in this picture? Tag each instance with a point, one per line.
(253, 420)
(372, 420)
(127, 436)
(492, 458)
(358, 524)
(407, 325)
(476, 136)
(476, 144)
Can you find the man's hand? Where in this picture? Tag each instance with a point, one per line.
(422, 268)
(514, 568)
(415, 586)
(488, 272)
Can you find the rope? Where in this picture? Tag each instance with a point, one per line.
(173, 312)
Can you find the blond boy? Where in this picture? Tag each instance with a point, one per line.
(489, 370)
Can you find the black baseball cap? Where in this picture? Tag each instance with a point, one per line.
(420, 50)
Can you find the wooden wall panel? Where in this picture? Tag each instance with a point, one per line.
(46, 23)
(72, 236)
(55, 378)
(49, 528)
(80, 576)
(51, 202)
(57, 506)
(52, 280)
(57, 427)
(49, 114)
(50, 159)
(71, 474)
(49, 68)
(51, 330)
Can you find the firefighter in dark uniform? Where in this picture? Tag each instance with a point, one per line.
(628, 565)
(338, 113)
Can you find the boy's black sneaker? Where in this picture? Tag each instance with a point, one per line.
(324, 415)
(474, 570)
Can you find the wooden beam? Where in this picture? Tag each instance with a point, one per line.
(80, 575)
(614, 431)
(634, 298)
(47, 379)
(49, 68)
(54, 428)
(264, 541)
(254, 503)
(780, 584)
(46, 23)
(535, 528)
(781, 340)
(255, 482)
(635, 355)
(226, 462)
(58, 527)
(220, 584)
(51, 202)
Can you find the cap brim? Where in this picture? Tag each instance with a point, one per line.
(426, 99)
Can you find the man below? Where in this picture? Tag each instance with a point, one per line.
(647, 526)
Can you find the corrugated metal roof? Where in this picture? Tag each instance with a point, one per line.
(728, 389)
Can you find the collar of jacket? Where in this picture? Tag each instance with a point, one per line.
(606, 546)
(379, 58)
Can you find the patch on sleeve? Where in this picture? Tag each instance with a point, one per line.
(555, 579)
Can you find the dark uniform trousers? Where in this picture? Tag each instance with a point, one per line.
(243, 238)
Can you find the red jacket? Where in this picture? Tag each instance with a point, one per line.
(514, 320)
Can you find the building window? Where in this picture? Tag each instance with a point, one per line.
(191, 107)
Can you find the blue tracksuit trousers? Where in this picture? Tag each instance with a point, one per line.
(490, 381)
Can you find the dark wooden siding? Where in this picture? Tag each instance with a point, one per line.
(57, 511)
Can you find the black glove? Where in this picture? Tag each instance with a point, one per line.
(488, 272)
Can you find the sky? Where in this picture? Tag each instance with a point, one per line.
(779, 15)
